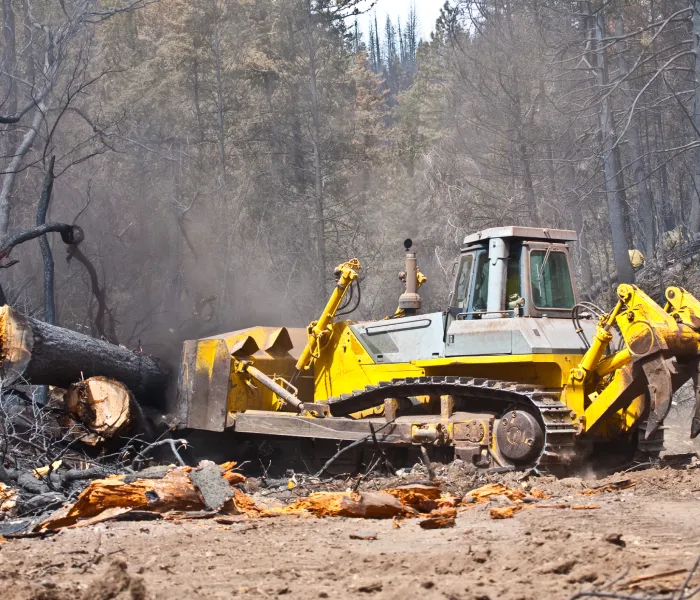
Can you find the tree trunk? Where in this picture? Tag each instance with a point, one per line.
(12, 169)
(44, 354)
(530, 198)
(9, 59)
(584, 257)
(614, 184)
(695, 206)
(317, 159)
(639, 170)
(219, 99)
(47, 256)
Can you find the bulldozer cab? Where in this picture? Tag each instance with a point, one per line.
(514, 271)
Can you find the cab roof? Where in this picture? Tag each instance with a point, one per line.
(525, 233)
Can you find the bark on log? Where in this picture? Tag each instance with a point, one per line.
(102, 405)
(44, 354)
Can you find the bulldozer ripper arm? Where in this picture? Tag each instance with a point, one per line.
(320, 331)
(661, 352)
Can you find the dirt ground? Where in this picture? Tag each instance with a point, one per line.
(649, 529)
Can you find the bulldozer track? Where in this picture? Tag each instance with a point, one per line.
(559, 428)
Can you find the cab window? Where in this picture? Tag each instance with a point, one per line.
(551, 280)
(513, 278)
(481, 285)
(464, 278)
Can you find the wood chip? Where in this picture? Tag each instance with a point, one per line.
(586, 507)
(364, 535)
(8, 498)
(437, 523)
(504, 512)
(483, 493)
(106, 515)
(535, 493)
(613, 486)
(226, 520)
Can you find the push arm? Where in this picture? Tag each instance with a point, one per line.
(320, 330)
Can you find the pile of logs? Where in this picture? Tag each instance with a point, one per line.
(98, 384)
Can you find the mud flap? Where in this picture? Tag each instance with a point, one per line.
(658, 373)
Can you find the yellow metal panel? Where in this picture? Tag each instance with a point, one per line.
(547, 370)
(206, 351)
(345, 366)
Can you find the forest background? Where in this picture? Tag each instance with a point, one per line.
(223, 156)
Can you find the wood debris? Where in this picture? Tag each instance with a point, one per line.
(424, 498)
(505, 512)
(634, 582)
(209, 492)
(366, 505)
(106, 515)
(539, 494)
(8, 498)
(44, 471)
(484, 493)
(613, 486)
(173, 492)
(364, 535)
(519, 498)
(440, 518)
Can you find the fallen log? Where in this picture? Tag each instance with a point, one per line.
(44, 354)
(363, 505)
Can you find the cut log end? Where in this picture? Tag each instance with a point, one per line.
(16, 343)
(103, 405)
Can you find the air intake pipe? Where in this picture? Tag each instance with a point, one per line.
(409, 301)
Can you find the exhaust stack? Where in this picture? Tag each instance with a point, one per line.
(409, 301)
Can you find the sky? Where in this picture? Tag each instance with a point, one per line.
(427, 11)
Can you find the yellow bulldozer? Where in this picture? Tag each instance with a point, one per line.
(516, 372)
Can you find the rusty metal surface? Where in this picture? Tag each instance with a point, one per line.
(203, 385)
(471, 431)
(660, 392)
(289, 424)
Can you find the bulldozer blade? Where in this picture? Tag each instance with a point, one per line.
(660, 388)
